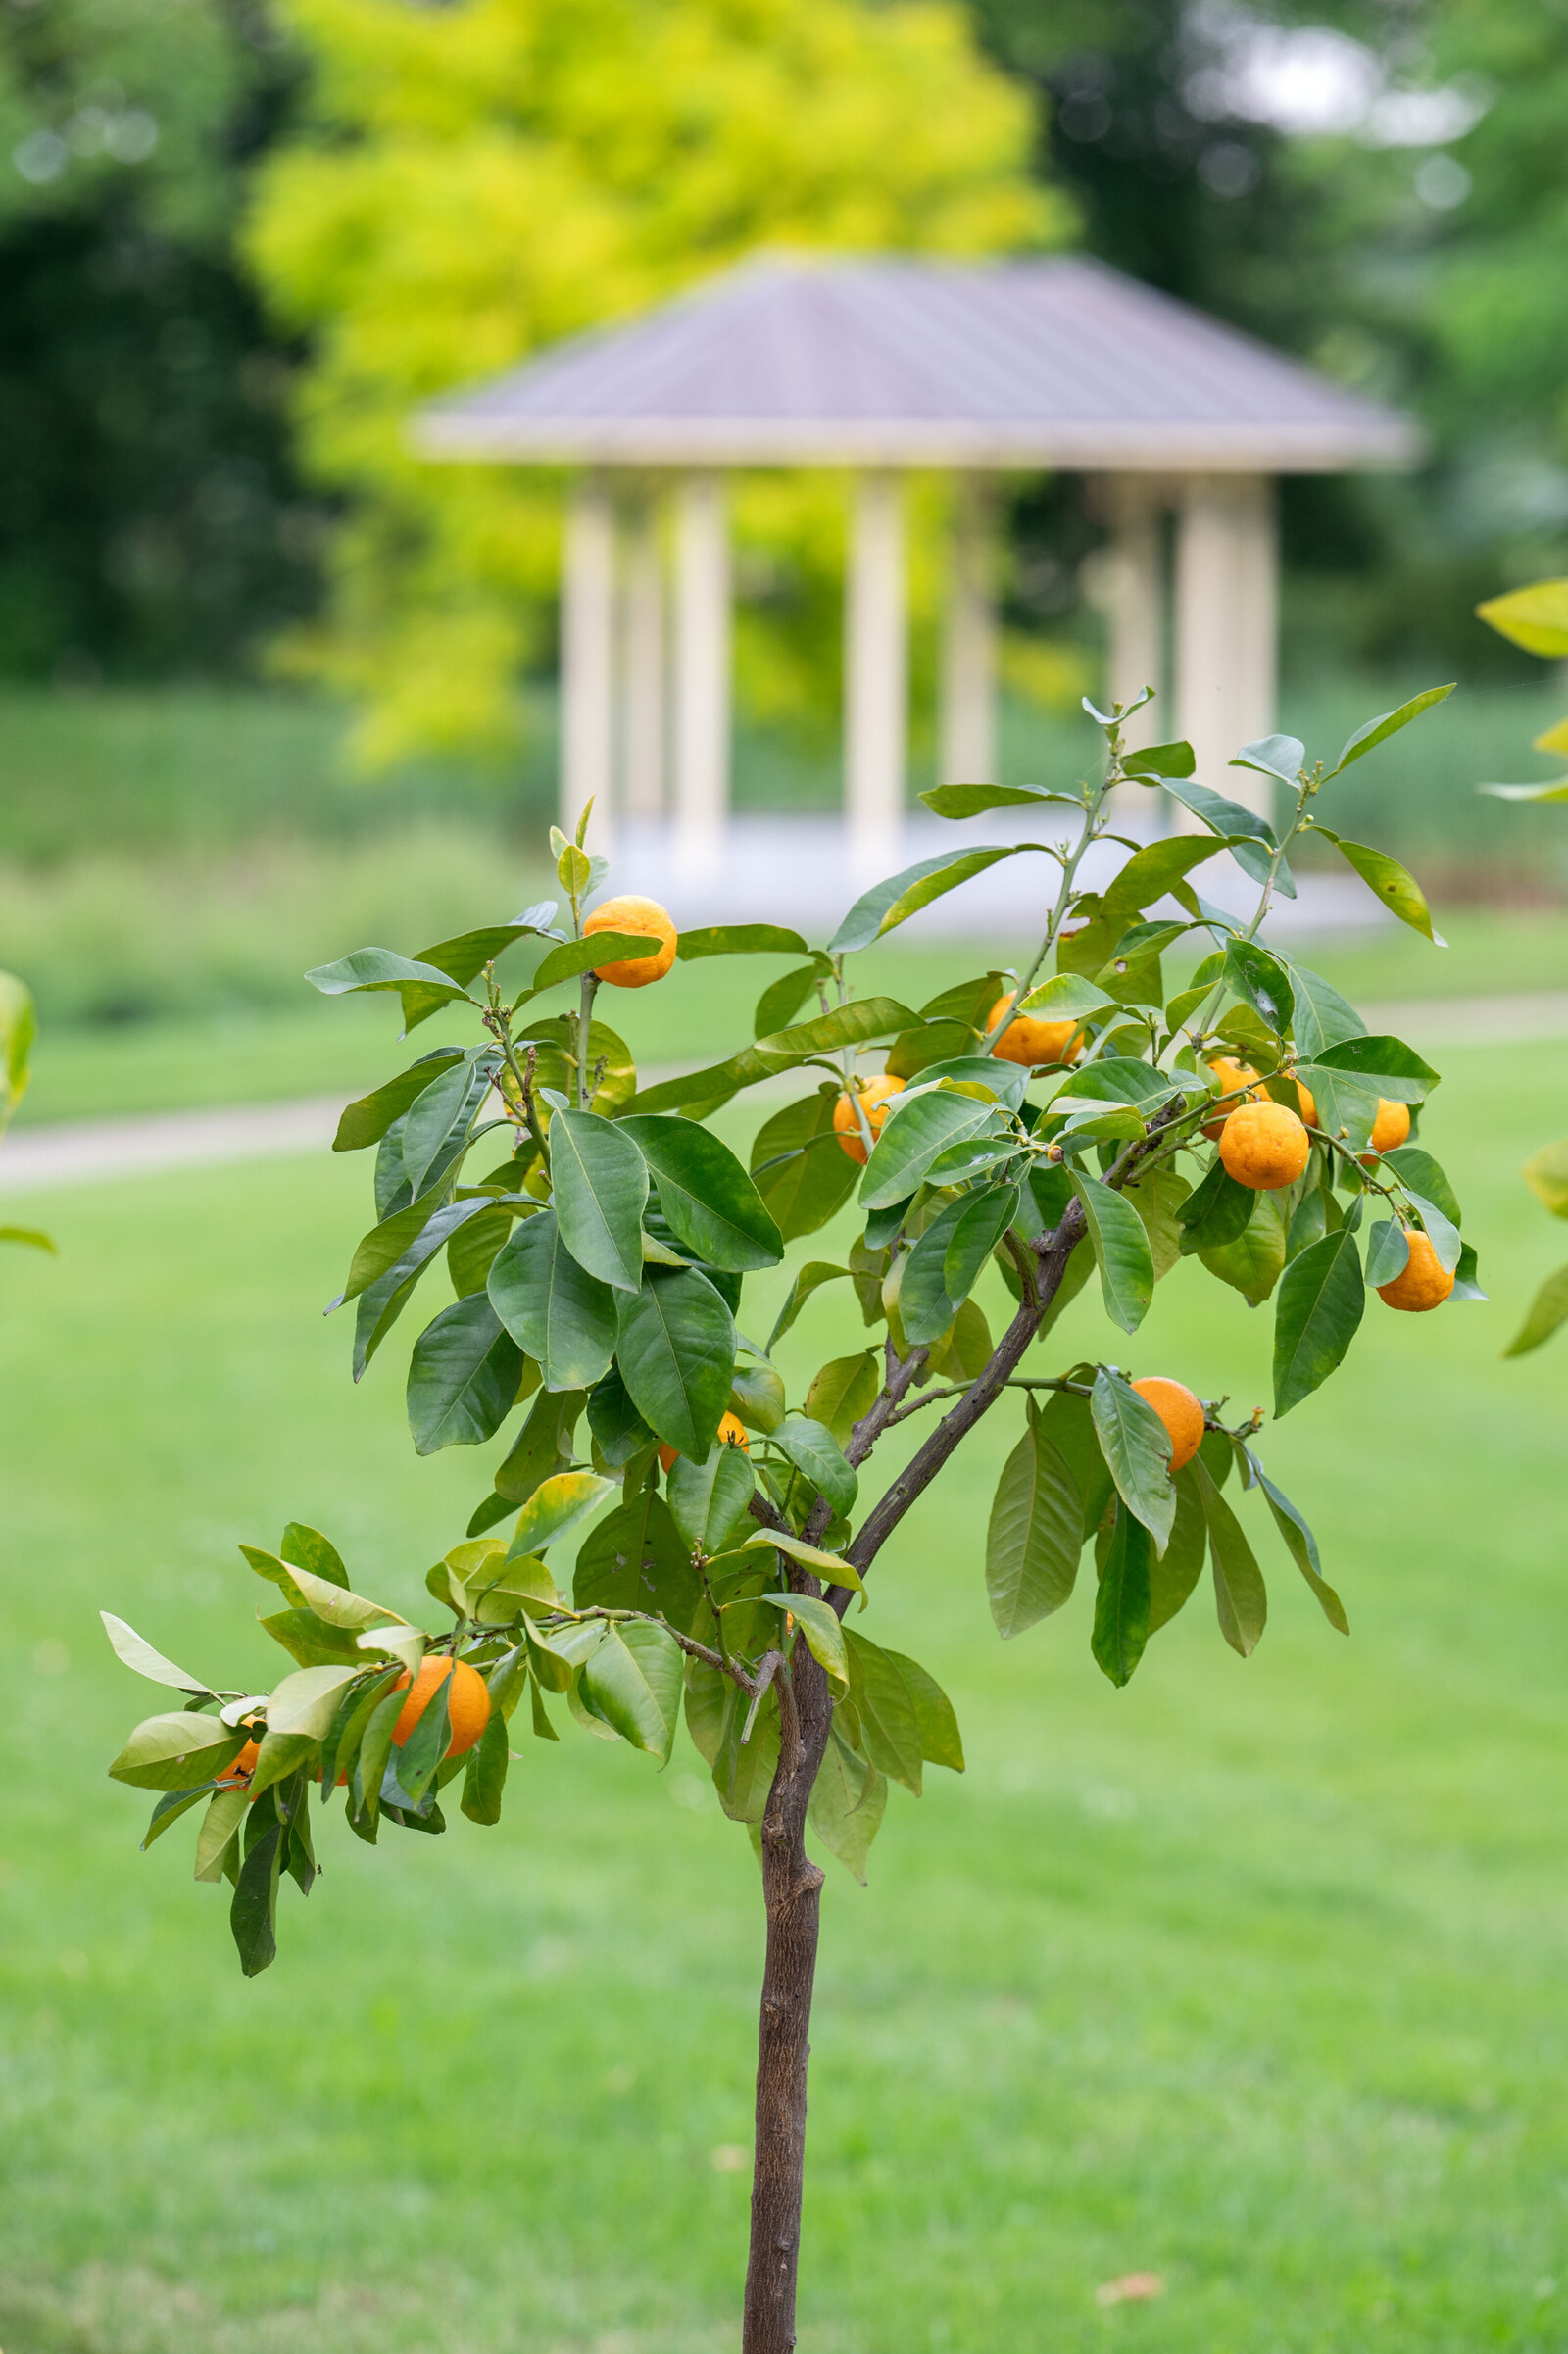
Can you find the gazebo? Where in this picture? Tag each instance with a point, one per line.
(883, 366)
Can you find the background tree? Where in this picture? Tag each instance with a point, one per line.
(1034, 1125)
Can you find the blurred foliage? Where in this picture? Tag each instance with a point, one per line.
(402, 230)
(151, 520)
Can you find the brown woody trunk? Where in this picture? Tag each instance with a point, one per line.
(792, 1889)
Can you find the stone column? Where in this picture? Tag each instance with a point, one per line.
(876, 672)
(1226, 626)
(587, 658)
(967, 746)
(643, 647)
(702, 669)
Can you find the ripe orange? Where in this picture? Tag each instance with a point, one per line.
(731, 1433)
(1179, 1410)
(1391, 1127)
(1420, 1284)
(632, 914)
(1308, 1104)
(1032, 1042)
(237, 1773)
(875, 1095)
(1231, 1075)
(1264, 1146)
(467, 1704)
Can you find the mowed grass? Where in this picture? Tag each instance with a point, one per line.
(1250, 1975)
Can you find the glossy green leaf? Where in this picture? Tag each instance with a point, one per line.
(709, 1500)
(849, 1800)
(1122, 1600)
(1554, 789)
(800, 1170)
(379, 968)
(543, 1445)
(854, 1024)
(553, 1310)
(440, 1112)
(1253, 1260)
(816, 1454)
(782, 1000)
(890, 1721)
(831, 1566)
(1386, 1064)
(485, 1775)
(1157, 761)
(912, 1138)
(1302, 1546)
(808, 1279)
(1158, 1195)
(756, 1397)
(1035, 1534)
(706, 1193)
(1388, 1252)
(252, 1915)
(1137, 1448)
(740, 939)
(1220, 814)
(1321, 1301)
(903, 895)
(1173, 1575)
(1150, 874)
(619, 1431)
(818, 1623)
(843, 1391)
(599, 1184)
(573, 957)
(1547, 1313)
(1323, 1018)
(635, 1679)
(1121, 1251)
(1398, 889)
(940, 1743)
(1260, 979)
(676, 1353)
(1065, 997)
(1378, 731)
(140, 1656)
(463, 1377)
(1240, 1595)
(554, 1507)
(1216, 1211)
(306, 1701)
(973, 801)
(636, 1559)
(176, 1752)
(1279, 757)
(366, 1121)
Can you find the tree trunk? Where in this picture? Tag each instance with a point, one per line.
(792, 1889)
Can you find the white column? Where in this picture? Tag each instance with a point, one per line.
(1132, 594)
(702, 669)
(876, 671)
(587, 656)
(643, 704)
(967, 750)
(1226, 626)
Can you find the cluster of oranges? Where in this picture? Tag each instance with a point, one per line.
(467, 1714)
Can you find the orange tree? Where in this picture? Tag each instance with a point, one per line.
(1537, 618)
(1072, 1122)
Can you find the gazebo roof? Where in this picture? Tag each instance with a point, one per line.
(784, 360)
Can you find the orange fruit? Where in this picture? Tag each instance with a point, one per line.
(1391, 1127)
(1032, 1043)
(237, 1773)
(1231, 1075)
(1308, 1104)
(468, 1703)
(632, 914)
(1421, 1283)
(1179, 1410)
(875, 1095)
(1264, 1146)
(731, 1433)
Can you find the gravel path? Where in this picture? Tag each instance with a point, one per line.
(76, 1152)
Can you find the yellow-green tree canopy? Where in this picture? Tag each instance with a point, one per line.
(482, 180)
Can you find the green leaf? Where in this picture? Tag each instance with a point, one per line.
(634, 1680)
(890, 1723)
(848, 1801)
(1239, 1592)
(1157, 761)
(1121, 1251)
(940, 1743)
(600, 1184)
(824, 1636)
(1137, 1448)
(226, 1812)
(1253, 1261)
(1174, 1574)
(831, 1566)
(405, 1243)
(1220, 814)
(543, 1445)
(1321, 1301)
(1216, 1211)
(706, 1193)
(1398, 889)
(176, 1752)
(1420, 1174)
(619, 1431)
(140, 1656)
(472, 1251)
(708, 1500)
(364, 1122)
(1121, 1604)
(1387, 1065)
(554, 1507)
(857, 1023)
(1302, 1546)
(1547, 1311)
(1323, 1018)
(252, 1915)
(904, 895)
(1378, 731)
(463, 1377)
(756, 1397)
(808, 1279)
(1545, 1173)
(32, 1236)
(485, 1775)
(1279, 757)
(1260, 979)
(465, 957)
(438, 1116)
(380, 968)
(912, 1138)
(1035, 1534)
(814, 1450)
(634, 1559)
(842, 1392)
(306, 1549)
(306, 1701)
(1534, 617)
(310, 1640)
(800, 1170)
(676, 1353)
(740, 939)
(573, 957)
(1148, 876)
(18, 1030)
(1065, 997)
(1158, 1196)
(1388, 1253)
(972, 801)
(924, 1307)
(552, 1309)
(782, 1000)
(1555, 789)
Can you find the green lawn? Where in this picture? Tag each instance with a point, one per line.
(1250, 1975)
(100, 1070)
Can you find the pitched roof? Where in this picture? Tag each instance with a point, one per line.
(1056, 363)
